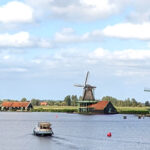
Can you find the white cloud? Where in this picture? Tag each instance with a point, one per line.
(75, 9)
(121, 63)
(87, 10)
(16, 12)
(128, 31)
(140, 12)
(22, 40)
(114, 63)
(124, 55)
(17, 70)
(68, 35)
(131, 62)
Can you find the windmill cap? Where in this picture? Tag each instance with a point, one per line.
(89, 86)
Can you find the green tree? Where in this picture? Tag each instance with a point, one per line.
(35, 102)
(74, 100)
(80, 98)
(147, 103)
(134, 102)
(23, 99)
(67, 100)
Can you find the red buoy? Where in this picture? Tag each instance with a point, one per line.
(109, 134)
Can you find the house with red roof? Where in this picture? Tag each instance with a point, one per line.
(24, 106)
(43, 103)
(104, 107)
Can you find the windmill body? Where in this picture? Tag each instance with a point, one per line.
(88, 93)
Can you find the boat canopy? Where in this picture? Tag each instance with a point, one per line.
(44, 124)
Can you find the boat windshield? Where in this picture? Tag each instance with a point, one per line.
(44, 125)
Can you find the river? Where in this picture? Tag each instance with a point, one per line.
(74, 132)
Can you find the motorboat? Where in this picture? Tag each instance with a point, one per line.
(43, 129)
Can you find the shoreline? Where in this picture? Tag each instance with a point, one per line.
(74, 109)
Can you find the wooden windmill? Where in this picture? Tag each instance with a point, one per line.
(88, 90)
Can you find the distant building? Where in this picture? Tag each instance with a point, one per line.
(43, 103)
(16, 106)
(104, 107)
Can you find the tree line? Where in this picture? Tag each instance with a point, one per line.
(71, 100)
(129, 102)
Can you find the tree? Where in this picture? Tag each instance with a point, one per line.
(109, 98)
(74, 100)
(80, 98)
(147, 103)
(67, 100)
(35, 102)
(23, 99)
(134, 102)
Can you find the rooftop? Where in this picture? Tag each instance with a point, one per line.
(15, 104)
(100, 105)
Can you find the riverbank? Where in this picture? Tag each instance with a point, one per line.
(133, 110)
(68, 109)
(74, 109)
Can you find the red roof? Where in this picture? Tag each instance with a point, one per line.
(15, 104)
(43, 103)
(100, 105)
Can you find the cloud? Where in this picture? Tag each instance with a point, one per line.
(68, 35)
(122, 63)
(84, 10)
(124, 55)
(87, 10)
(128, 31)
(128, 62)
(17, 70)
(140, 11)
(22, 40)
(16, 12)
(113, 63)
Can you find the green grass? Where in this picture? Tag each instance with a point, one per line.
(69, 109)
(133, 110)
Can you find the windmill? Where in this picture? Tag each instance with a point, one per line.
(88, 90)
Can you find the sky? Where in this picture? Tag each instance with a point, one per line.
(47, 46)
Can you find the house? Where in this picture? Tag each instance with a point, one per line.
(16, 106)
(103, 107)
(43, 103)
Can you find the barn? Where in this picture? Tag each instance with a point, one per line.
(14, 106)
(102, 107)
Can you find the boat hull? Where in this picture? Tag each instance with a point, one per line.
(42, 133)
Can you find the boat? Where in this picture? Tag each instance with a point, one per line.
(43, 129)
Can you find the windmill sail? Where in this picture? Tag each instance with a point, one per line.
(86, 78)
(147, 89)
(79, 85)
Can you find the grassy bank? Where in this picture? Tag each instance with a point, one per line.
(72, 109)
(69, 109)
(133, 110)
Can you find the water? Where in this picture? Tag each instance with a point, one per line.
(74, 132)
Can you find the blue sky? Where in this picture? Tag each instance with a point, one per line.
(47, 46)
